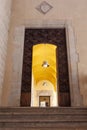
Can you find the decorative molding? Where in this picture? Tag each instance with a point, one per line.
(44, 7)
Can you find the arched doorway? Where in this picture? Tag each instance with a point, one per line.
(44, 75)
(58, 38)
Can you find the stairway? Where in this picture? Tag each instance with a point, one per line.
(43, 118)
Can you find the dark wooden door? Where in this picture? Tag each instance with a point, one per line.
(53, 36)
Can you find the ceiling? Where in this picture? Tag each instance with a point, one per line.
(44, 52)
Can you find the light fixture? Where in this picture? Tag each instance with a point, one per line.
(45, 84)
(45, 64)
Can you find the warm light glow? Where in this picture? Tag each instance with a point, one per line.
(44, 55)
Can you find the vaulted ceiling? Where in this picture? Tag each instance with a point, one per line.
(44, 53)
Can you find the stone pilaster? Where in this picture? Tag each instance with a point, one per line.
(5, 11)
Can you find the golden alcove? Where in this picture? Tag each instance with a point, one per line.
(44, 74)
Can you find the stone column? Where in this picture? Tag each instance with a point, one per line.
(76, 98)
(5, 12)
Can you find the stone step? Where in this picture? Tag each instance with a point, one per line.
(51, 110)
(43, 117)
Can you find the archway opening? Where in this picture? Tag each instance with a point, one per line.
(55, 36)
(44, 75)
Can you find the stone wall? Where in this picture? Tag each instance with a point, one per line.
(23, 11)
(5, 11)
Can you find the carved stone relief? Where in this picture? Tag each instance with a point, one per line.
(44, 7)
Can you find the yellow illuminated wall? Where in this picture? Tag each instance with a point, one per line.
(44, 52)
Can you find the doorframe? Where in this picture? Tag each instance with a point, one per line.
(44, 97)
(75, 95)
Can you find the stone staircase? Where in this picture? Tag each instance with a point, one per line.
(43, 118)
